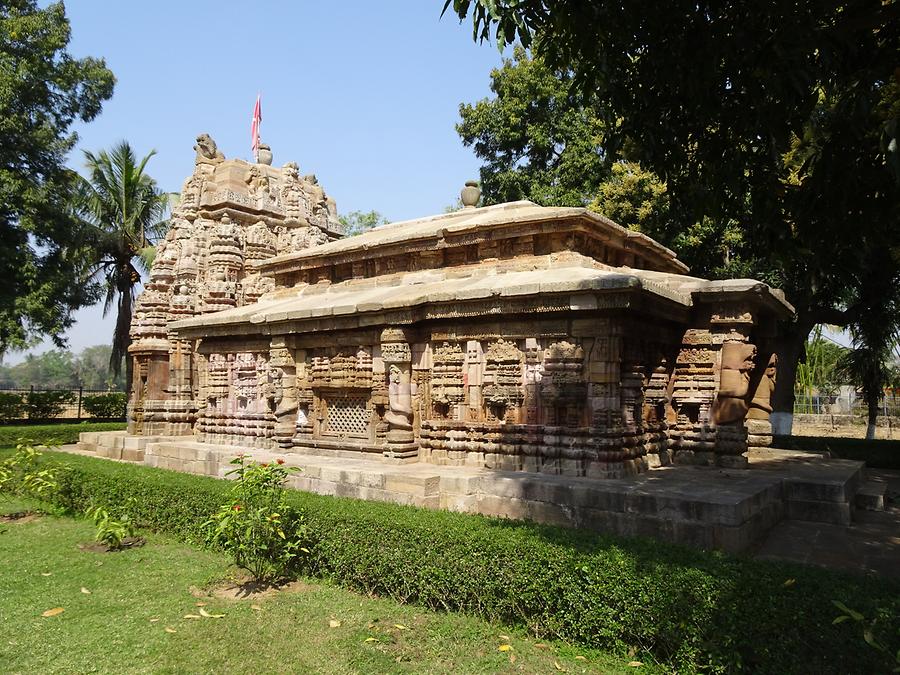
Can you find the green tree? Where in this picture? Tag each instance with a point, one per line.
(534, 142)
(43, 91)
(123, 214)
(778, 119)
(357, 222)
(509, 133)
(93, 371)
(818, 372)
(60, 368)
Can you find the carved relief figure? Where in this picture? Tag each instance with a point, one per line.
(399, 414)
(734, 383)
(761, 404)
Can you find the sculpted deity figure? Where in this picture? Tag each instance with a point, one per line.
(293, 198)
(761, 404)
(734, 382)
(400, 411)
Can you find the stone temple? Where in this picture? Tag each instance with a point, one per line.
(506, 341)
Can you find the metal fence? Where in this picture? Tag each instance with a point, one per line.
(61, 403)
(844, 404)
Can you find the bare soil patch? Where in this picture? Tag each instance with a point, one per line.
(245, 588)
(20, 517)
(98, 547)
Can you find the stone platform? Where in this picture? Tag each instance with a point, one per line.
(728, 509)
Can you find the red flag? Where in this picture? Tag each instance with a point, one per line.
(254, 127)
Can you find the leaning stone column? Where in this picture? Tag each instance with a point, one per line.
(397, 357)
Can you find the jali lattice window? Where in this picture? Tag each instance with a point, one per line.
(346, 416)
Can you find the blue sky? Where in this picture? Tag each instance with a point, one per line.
(363, 94)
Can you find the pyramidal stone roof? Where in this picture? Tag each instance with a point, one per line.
(569, 279)
(490, 222)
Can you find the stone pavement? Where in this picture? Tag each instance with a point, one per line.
(871, 543)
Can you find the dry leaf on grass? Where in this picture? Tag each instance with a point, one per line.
(370, 639)
(192, 616)
(559, 667)
(400, 626)
(170, 630)
(154, 619)
(635, 664)
(53, 612)
(334, 623)
(46, 574)
(85, 591)
(504, 637)
(541, 645)
(256, 608)
(203, 612)
(200, 604)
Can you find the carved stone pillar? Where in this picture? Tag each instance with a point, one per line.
(732, 325)
(762, 384)
(397, 357)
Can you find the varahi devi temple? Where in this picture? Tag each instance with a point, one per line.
(547, 346)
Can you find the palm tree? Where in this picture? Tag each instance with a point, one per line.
(123, 214)
(876, 334)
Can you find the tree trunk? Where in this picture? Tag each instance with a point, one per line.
(873, 418)
(790, 346)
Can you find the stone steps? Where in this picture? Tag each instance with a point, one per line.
(871, 496)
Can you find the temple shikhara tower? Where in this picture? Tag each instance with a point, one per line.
(231, 215)
(512, 337)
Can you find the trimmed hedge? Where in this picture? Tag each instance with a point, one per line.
(52, 434)
(12, 406)
(877, 454)
(111, 405)
(691, 609)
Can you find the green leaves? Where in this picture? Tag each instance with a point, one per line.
(43, 91)
(256, 526)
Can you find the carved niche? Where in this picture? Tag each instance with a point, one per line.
(563, 389)
(447, 382)
(502, 390)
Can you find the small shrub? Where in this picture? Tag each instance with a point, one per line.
(110, 405)
(110, 532)
(12, 406)
(256, 526)
(44, 405)
(21, 475)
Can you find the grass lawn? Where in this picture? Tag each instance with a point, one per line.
(133, 618)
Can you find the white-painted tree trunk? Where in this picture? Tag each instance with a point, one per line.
(870, 432)
(782, 423)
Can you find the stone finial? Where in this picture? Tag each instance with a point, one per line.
(264, 154)
(470, 194)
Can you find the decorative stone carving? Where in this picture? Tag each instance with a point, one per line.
(399, 415)
(761, 403)
(734, 384)
(207, 151)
